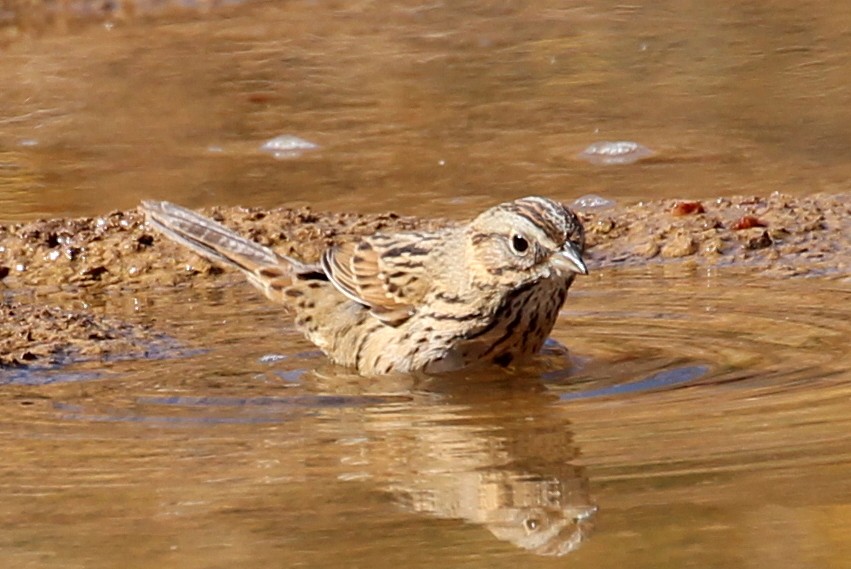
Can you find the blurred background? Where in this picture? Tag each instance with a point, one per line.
(419, 107)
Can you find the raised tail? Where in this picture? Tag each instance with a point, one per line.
(265, 269)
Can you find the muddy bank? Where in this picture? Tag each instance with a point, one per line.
(41, 335)
(779, 235)
(775, 236)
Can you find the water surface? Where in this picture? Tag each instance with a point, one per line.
(708, 430)
(423, 108)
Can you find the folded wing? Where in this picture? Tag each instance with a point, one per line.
(388, 274)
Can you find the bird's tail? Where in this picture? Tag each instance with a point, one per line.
(265, 269)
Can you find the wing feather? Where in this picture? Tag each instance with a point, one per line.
(387, 275)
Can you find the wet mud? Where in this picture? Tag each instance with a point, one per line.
(42, 335)
(776, 236)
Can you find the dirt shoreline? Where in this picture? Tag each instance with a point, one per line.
(775, 236)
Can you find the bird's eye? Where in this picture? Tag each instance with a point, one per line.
(519, 244)
(531, 524)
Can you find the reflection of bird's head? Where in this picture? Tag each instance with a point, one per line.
(545, 531)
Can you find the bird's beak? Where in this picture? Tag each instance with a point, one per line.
(569, 259)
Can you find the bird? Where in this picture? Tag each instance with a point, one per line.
(484, 292)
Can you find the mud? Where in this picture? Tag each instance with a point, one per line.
(40, 335)
(774, 236)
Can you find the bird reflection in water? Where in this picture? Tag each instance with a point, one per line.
(496, 452)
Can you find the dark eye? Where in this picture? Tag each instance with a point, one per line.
(531, 524)
(519, 244)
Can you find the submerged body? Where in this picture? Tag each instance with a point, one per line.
(487, 291)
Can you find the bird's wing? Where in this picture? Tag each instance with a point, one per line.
(386, 273)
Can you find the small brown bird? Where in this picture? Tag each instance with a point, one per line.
(486, 291)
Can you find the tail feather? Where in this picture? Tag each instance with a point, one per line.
(217, 243)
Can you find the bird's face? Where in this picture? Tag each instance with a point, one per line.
(528, 239)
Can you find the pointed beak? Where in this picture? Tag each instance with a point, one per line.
(569, 259)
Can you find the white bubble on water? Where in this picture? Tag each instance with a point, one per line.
(615, 153)
(287, 146)
(592, 201)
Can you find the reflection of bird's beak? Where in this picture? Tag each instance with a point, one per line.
(569, 259)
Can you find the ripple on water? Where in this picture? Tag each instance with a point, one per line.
(754, 374)
(627, 332)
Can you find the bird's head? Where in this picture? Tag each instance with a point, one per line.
(528, 239)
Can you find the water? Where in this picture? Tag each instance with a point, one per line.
(672, 434)
(424, 108)
(699, 419)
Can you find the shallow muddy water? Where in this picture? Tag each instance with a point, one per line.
(424, 108)
(699, 417)
(707, 430)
